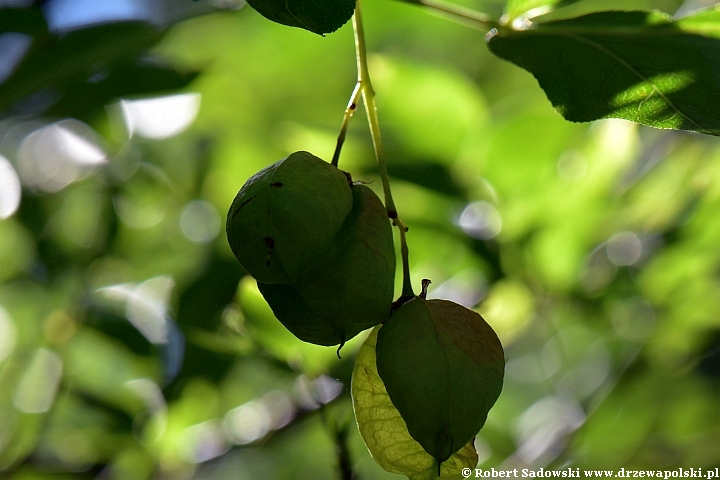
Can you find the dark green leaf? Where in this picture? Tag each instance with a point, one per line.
(22, 20)
(636, 66)
(85, 98)
(53, 65)
(318, 16)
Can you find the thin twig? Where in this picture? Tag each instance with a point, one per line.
(349, 111)
(461, 14)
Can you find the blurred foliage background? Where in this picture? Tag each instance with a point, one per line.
(132, 345)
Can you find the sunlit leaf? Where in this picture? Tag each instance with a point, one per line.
(636, 66)
(384, 430)
(320, 17)
(521, 10)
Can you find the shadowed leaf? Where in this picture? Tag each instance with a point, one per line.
(320, 17)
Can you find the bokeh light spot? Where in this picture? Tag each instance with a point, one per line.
(280, 407)
(543, 429)
(146, 305)
(247, 423)
(8, 334)
(67, 15)
(466, 287)
(203, 442)
(56, 155)
(200, 221)
(160, 117)
(36, 391)
(624, 249)
(10, 190)
(481, 220)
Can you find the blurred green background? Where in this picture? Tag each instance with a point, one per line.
(133, 346)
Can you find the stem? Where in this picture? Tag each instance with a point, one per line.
(456, 12)
(339, 433)
(368, 95)
(349, 111)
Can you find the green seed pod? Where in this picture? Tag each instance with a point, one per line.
(443, 368)
(287, 215)
(351, 289)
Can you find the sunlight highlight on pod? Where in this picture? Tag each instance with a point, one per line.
(10, 189)
(8, 334)
(481, 220)
(146, 305)
(37, 389)
(160, 117)
(200, 221)
(56, 155)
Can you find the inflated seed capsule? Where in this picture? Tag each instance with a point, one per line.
(443, 369)
(351, 288)
(287, 216)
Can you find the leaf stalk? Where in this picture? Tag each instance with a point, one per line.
(461, 14)
(364, 87)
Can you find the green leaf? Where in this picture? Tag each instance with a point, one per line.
(318, 16)
(384, 431)
(637, 66)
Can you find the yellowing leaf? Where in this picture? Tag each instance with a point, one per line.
(384, 431)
